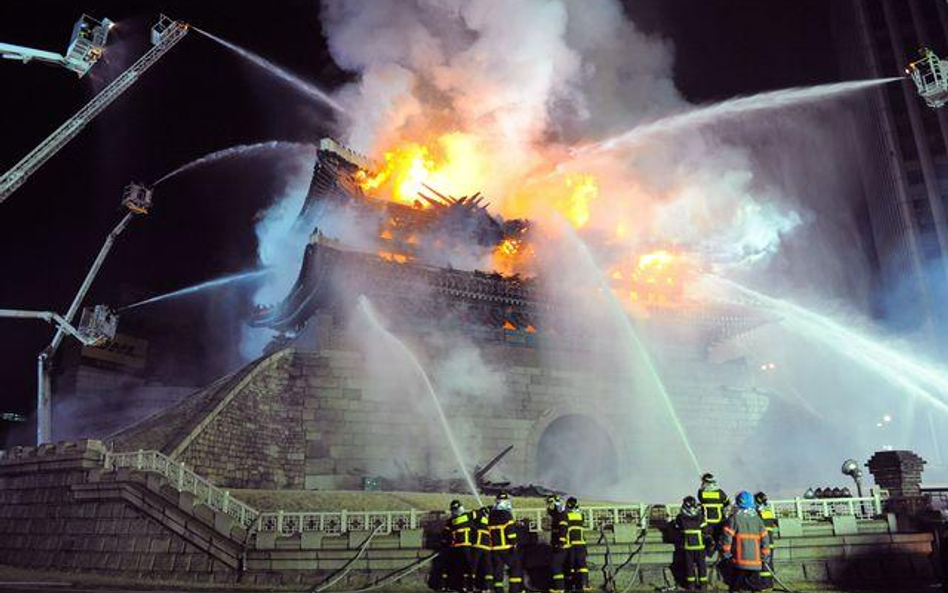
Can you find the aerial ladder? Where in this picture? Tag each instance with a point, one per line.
(164, 35)
(86, 46)
(930, 75)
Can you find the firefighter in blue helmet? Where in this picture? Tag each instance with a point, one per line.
(578, 580)
(745, 544)
(692, 529)
(559, 543)
(504, 537)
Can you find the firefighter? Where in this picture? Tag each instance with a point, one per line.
(503, 541)
(715, 503)
(461, 562)
(559, 544)
(483, 566)
(745, 545)
(691, 524)
(576, 540)
(769, 518)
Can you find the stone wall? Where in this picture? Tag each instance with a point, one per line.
(254, 440)
(325, 420)
(59, 510)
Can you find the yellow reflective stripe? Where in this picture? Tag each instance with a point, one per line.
(515, 579)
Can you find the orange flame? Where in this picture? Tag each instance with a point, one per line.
(583, 189)
(657, 277)
(453, 164)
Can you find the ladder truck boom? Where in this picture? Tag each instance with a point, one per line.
(164, 35)
(85, 47)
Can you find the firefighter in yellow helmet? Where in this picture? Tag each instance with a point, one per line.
(769, 517)
(715, 503)
(576, 540)
(504, 537)
(559, 544)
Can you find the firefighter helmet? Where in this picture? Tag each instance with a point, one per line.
(572, 503)
(456, 508)
(554, 502)
(745, 500)
(689, 506)
(761, 499)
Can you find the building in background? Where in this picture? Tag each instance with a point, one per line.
(901, 146)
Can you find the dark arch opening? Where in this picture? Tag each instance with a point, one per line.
(576, 455)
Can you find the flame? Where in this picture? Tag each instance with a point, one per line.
(583, 189)
(656, 277)
(453, 163)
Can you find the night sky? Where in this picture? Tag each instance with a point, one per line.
(200, 98)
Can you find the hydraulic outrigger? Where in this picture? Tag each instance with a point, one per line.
(164, 35)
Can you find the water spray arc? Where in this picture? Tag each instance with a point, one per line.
(725, 110)
(368, 312)
(296, 82)
(216, 283)
(232, 152)
(635, 345)
(895, 367)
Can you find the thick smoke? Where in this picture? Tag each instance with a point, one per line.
(507, 94)
(524, 81)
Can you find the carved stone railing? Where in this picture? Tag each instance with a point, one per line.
(339, 522)
(184, 480)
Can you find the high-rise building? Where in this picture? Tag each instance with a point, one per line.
(901, 147)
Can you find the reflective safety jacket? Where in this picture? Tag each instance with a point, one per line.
(575, 528)
(503, 530)
(714, 502)
(746, 540)
(481, 530)
(461, 530)
(559, 527)
(769, 517)
(692, 529)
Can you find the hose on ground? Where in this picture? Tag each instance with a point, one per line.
(335, 578)
(395, 576)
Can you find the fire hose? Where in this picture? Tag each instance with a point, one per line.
(397, 575)
(776, 578)
(332, 580)
(609, 577)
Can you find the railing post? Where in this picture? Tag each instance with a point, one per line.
(225, 499)
(852, 508)
(138, 459)
(280, 523)
(344, 522)
(181, 476)
(412, 519)
(106, 461)
(799, 507)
